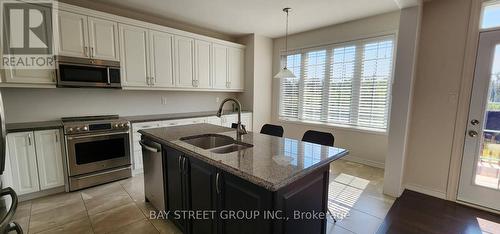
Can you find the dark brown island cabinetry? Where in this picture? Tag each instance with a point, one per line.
(198, 188)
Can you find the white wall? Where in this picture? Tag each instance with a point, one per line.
(439, 72)
(258, 78)
(23, 105)
(369, 148)
(402, 93)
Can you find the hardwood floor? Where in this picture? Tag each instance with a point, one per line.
(418, 213)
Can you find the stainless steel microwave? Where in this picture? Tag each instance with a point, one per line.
(84, 72)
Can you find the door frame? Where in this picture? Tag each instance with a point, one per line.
(479, 98)
(464, 97)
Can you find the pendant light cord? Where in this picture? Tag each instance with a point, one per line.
(286, 35)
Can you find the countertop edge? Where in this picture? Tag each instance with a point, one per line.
(255, 180)
(174, 116)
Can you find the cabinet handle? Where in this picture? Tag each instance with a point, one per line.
(147, 80)
(153, 80)
(85, 51)
(184, 169)
(57, 137)
(91, 52)
(29, 139)
(179, 162)
(217, 177)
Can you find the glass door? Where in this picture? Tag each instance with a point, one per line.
(480, 173)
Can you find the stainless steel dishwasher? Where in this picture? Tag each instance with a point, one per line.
(154, 183)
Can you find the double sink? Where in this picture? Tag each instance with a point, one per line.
(219, 144)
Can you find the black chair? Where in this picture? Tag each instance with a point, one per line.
(322, 138)
(273, 130)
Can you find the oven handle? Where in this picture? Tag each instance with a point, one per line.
(149, 148)
(96, 135)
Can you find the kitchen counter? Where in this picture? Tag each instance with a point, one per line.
(53, 124)
(33, 126)
(272, 162)
(147, 118)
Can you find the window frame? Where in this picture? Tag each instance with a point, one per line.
(392, 35)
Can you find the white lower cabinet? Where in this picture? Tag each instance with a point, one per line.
(35, 160)
(49, 159)
(225, 120)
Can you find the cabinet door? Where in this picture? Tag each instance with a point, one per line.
(175, 186)
(203, 194)
(49, 158)
(184, 61)
(23, 162)
(73, 34)
(103, 37)
(241, 195)
(203, 68)
(134, 51)
(30, 76)
(161, 54)
(236, 69)
(219, 78)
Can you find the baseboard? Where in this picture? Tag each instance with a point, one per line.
(44, 193)
(137, 172)
(365, 161)
(426, 191)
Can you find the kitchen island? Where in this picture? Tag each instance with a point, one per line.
(260, 184)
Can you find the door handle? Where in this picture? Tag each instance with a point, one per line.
(473, 133)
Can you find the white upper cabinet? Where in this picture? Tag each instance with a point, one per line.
(103, 37)
(23, 162)
(49, 158)
(73, 34)
(134, 50)
(87, 37)
(236, 79)
(161, 57)
(184, 61)
(220, 67)
(203, 66)
(30, 76)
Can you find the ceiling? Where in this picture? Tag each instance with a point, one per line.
(262, 17)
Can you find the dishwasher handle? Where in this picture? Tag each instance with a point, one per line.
(149, 148)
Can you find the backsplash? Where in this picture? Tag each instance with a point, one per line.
(25, 105)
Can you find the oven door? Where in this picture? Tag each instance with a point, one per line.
(96, 152)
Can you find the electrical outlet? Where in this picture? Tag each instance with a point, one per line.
(217, 99)
(164, 100)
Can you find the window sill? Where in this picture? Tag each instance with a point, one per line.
(334, 126)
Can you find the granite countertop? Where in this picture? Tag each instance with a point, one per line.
(146, 118)
(33, 126)
(54, 124)
(272, 163)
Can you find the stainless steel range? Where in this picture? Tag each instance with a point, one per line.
(97, 149)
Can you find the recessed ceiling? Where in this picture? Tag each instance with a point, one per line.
(262, 17)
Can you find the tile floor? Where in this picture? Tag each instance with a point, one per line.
(355, 199)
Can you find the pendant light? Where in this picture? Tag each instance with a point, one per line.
(284, 72)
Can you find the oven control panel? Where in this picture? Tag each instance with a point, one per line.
(97, 127)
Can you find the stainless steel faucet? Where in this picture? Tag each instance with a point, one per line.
(240, 130)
